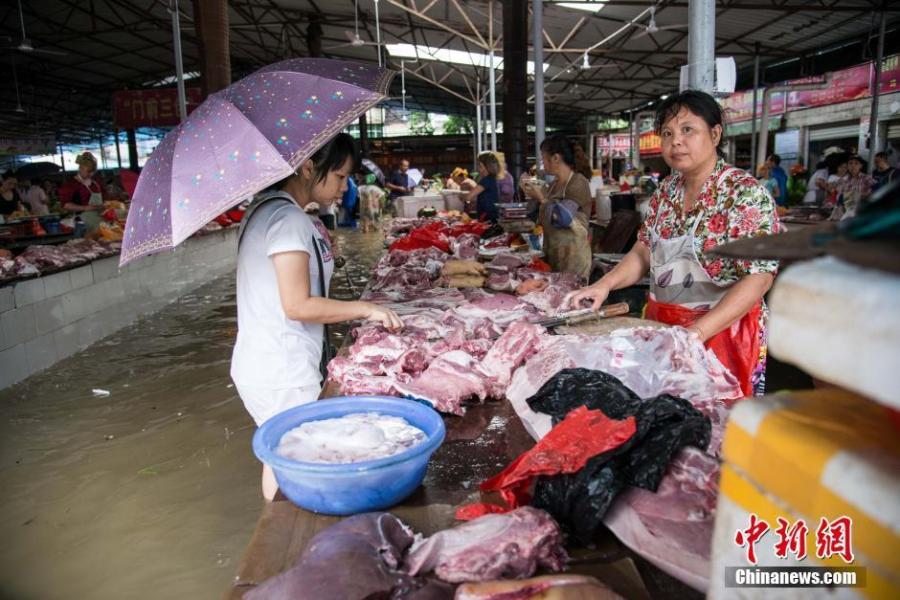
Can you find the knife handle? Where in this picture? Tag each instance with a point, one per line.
(614, 310)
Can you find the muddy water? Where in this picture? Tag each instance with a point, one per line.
(151, 491)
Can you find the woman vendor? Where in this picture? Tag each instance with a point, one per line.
(703, 204)
(10, 200)
(486, 194)
(564, 208)
(84, 194)
(284, 268)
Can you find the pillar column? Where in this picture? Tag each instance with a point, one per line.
(515, 85)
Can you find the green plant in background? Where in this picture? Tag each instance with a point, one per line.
(420, 124)
(457, 125)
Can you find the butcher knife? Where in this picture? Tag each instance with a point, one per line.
(580, 316)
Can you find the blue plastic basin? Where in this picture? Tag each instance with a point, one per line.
(350, 488)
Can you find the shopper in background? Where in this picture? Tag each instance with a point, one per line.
(348, 204)
(837, 178)
(565, 208)
(10, 200)
(36, 199)
(764, 176)
(400, 184)
(582, 162)
(486, 193)
(884, 173)
(83, 194)
(505, 181)
(777, 173)
(370, 196)
(817, 186)
(856, 187)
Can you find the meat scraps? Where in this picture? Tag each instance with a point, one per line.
(359, 557)
(508, 546)
(547, 587)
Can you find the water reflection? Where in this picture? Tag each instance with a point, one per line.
(151, 491)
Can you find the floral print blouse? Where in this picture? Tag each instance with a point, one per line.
(738, 207)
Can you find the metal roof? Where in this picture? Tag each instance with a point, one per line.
(110, 45)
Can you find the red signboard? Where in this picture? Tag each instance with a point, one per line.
(151, 108)
(650, 143)
(621, 144)
(842, 86)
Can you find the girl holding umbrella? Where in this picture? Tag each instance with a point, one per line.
(283, 263)
(278, 125)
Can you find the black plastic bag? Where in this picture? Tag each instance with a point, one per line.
(665, 424)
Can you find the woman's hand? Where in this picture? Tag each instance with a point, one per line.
(388, 318)
(533, 191)
(596, 293)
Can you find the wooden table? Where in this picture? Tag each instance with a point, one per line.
(477, 446)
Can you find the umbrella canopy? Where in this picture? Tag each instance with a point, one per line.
(374, 169)
(240, 141)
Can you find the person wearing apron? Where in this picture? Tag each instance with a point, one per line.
(564, 209)
(284, 269)
(703, 204)
(83, 194)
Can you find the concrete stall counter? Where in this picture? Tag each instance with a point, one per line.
(49, 318)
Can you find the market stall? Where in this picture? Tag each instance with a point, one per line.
(473, 349)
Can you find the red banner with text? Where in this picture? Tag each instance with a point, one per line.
(151, 108)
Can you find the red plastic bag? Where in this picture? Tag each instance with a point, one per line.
(582, 435)
(476, 227)
(235, 214)
(420, 238)
(223, 220)
(539, 265)
(736, 347)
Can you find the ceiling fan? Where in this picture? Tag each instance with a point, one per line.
(25, 44)
(651, 27)
(353, 36)
(586, 64)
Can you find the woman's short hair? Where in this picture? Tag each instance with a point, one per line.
(490, 162)
(86, 159)
(557, 143)
(699, 103)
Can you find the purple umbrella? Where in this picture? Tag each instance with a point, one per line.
(242, 140)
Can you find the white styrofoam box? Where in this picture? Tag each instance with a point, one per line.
(7, 298)
(839, 323)
(57, 284)
(730, 517)
(454, 202)
(409, 206)
(13, 365)
(41, 352)
(82, 276)
(29, 291)
(18, 326)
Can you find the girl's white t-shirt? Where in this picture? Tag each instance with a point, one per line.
(273, 351)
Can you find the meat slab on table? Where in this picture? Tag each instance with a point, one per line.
(508, 546)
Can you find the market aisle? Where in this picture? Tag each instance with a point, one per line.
(153, 490)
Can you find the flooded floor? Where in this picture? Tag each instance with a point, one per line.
(151, 491)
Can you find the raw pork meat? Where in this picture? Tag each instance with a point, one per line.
(448, 380)
(358, 557)
(507, 546)
(465, 247)
(673, 528)
(517, 343)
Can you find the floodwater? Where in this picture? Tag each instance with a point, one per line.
(151, 491)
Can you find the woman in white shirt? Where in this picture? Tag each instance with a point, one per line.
(283, 273)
